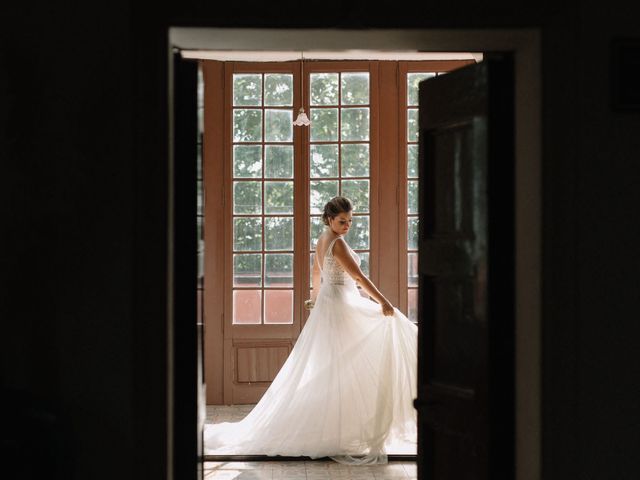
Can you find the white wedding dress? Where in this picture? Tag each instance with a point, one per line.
(346, 390)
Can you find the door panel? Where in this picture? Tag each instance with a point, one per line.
(466, 274)
(260, 363)
(254, 364)
(258, 294)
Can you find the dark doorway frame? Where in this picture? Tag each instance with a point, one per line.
(525, 45)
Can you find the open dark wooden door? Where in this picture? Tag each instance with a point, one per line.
(466, 308)
(188, 398)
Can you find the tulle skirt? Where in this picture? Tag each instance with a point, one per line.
(345, 391)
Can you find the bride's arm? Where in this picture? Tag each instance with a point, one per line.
(343, 256)
(315, 277)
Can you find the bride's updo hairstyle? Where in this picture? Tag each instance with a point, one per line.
(335, 207)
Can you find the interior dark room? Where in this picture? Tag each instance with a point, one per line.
(90, 383)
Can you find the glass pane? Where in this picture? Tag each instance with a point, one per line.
(316, 226)
(412, 300)
(200, 253)
(312, 258)
(412, 233)
(200, 102)
(247, 125)
(412, 125)
(324, 161)
(278, 270)
(324, 124)
(199, 163)
(247, 161)
(358, 192)
(200, 199)
(278, 232)
(247, 233)
(358, 236)
(200, 124)
(278, 161)
(413, 79)
(278, 89)
(278, 306)
(247, 197)
(247, 89)
(412, 196)
(412, 269)
(246, 307)
(355, 124)
(324, 88)
(278, 126)
(364, 262)
(355, 160)
(247, 270)
(321, 193)
(355, 88)
(278, 197)
(412, 161)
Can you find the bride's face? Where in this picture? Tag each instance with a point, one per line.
(341, 223)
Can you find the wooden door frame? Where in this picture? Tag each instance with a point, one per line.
(525, 45)
(246, 336)
(218, 218)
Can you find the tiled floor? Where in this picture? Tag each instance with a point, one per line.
(227, 413)
(294, 470)
(307, 470)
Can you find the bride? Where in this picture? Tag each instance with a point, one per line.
(346, 389)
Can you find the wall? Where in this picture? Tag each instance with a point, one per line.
(607, 255)
(67, 251)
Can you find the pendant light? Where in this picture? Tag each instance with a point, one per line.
(302, 119)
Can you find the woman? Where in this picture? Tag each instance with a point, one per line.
(346, 389)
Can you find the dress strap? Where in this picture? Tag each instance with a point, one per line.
(329, 250)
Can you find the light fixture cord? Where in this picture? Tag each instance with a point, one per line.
(302, 80)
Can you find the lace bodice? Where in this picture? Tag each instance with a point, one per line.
(332, 271)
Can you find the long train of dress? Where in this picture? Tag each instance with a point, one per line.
(346, 389)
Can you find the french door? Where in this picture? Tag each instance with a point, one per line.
(266, 182)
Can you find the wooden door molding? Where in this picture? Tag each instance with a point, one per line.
(214, 279)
